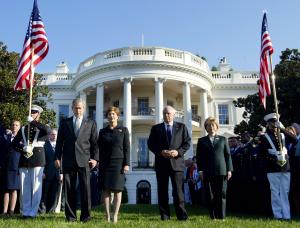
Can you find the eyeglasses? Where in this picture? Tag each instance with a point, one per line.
(34, 111)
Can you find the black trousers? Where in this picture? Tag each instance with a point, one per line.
(162, 177)
(50, 196)
(70, 179)
(215, 191)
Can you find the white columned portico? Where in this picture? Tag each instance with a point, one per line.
(187, 114)
(204, 109)
(99, 105)
(159, 99)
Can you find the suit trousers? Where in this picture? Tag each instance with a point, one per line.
(70, 178)
(215, 192)
(162, 177)
(51, 192)
(280, 187)
(31, 190)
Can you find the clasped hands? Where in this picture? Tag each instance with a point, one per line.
(169, 153)
(92, 163)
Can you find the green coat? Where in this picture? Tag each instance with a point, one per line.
(213, 158)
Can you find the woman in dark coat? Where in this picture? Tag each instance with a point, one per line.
(12, 178)
(215, 167)
(114, 150)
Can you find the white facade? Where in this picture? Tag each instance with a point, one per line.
(141, 81)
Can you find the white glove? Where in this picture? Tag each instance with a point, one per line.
(272, 151)
(28, 151)
(29, 119)
(278, 124)
(280, 157)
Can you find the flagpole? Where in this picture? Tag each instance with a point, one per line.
(30, 91)
(272, 75)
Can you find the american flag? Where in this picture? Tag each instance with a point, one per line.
(35, 48)
(265, 65)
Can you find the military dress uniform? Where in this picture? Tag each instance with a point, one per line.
(31, 168)
(278, 174)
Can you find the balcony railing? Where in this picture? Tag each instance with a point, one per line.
(196, 118)
(150, 111)
(145, 111)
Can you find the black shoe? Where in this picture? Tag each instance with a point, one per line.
(85, 219)
(71, 219)
(183, 218)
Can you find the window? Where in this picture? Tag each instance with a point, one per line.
(92, 112)
(143, 154)
(116, 103)
(223, 114)
(194, 109)
(170, 103)
(63, 112)
(143, 106)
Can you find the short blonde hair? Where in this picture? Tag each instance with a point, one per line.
(292, 130)
(211, 120)
(112, 109)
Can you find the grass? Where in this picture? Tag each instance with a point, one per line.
(147, 216)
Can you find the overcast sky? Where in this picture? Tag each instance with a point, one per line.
(77, 29)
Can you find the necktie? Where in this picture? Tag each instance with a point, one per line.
(77, 126)
(169, 133)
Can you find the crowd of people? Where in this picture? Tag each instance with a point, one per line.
(46, 170)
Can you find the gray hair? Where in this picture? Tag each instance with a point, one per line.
(170, 108)
(77, 101)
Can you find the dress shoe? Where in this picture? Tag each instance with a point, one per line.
(71, 219)
(86, 219)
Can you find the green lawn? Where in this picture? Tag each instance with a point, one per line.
(147, 216)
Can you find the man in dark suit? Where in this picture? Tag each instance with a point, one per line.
(215, 167)
(52, 177)
(76, 146)
(169, 141)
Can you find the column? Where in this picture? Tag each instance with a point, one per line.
(82, 96)
(204, 109)
(159, 99)
(127, 110)
(187, 114)
(99, 105)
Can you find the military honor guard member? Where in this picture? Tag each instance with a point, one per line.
(32, 161)
(277, 162)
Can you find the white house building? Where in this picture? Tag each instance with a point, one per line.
(141, 81)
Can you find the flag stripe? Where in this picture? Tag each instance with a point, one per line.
(265, 66)
(35, 49)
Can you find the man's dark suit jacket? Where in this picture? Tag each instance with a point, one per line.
(50, 170)
(180, 141)
(213, 159)
(76, 151)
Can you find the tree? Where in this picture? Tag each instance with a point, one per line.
(288, 90)
(14, 104)
(288, 85)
